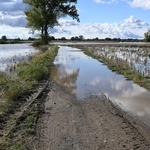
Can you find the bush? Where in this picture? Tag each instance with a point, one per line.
(11, 87)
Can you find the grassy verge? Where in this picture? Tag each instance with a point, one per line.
(17, 125)
(121, 67)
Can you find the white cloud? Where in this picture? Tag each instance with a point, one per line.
(12, 20)
(145, 4)
(106, 1)
(15, 32)
(128, 28)
(12, 13)
(15, 19)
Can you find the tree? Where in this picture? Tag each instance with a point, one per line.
(147, 36)
(3, 38)
(63, 38)
(81, 37)
(44, 14)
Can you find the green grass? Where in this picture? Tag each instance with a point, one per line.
(37, 69)
(17, 146)
(11, 87)
(29, 75)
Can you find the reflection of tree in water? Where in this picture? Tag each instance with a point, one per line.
(65, 77)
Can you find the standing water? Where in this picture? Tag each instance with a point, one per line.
(84, 76)
(11, 54)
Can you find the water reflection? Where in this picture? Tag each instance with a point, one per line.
(66, 77)
(85, 76)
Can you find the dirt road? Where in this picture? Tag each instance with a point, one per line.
(94, 124)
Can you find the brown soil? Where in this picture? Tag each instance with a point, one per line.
(94, 124)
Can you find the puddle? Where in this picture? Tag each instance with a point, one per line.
(84, 76)
(11, 54)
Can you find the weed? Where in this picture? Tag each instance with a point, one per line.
(17, 146)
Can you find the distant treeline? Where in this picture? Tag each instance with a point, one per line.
(4, 39)
(81, 38)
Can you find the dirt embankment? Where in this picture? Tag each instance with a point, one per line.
(94, 124)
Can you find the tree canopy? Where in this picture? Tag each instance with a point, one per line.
(147, 36)
(44, 14)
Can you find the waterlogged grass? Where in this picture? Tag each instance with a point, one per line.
(29, 74)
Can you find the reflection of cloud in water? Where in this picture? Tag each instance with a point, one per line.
(128, 95)
(95, 81)
(66, 56)
(64, 72)
(117, 85)
(65, 76)
(134, 99)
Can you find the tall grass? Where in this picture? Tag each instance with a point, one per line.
(28, 75)
(11, 87)
(37, 69)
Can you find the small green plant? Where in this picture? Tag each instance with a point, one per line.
(17, 146)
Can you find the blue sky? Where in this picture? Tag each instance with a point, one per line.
(98, 18)
(116, 11)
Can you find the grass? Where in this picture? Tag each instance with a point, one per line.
(37, 69)
(28, 74)
(12, 89)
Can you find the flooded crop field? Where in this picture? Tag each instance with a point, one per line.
(84, 76)
(137, 58)
(11, 54)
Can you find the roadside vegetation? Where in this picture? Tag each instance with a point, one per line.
(19, 113)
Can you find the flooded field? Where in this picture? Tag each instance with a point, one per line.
(11, 54)
(137, 58)
(84, 76)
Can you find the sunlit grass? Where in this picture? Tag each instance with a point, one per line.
(12, 88)
(28, 75)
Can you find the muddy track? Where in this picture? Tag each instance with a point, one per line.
(94, 124)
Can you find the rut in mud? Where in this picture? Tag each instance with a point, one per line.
(94, 124)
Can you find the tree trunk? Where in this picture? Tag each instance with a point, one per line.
(42, 30)
(45, 35)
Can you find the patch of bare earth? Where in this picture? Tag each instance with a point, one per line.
(94, 124)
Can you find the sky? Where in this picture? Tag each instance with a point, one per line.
(98, 19)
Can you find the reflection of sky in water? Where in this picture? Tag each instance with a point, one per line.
(11, 54)
(84, 76)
